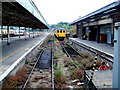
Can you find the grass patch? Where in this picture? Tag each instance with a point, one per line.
(55, 57)
(26, 62)
(59, 76)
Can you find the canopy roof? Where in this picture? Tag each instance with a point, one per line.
(98, 13)
(23, 13)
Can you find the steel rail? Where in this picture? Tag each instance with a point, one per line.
(65, 50)
(32, 70)
(68, 54)
(76, 51)
(53, 85)
(92, 50)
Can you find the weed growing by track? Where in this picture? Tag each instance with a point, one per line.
(70, 73)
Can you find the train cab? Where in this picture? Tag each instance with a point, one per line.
(60, 34)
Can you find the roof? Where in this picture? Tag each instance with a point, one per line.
(60, 29)
(22, 13)
(103, 9)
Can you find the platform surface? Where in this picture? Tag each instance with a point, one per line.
(103, 47)
(18, 47)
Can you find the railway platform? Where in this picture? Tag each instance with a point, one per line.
(14, 53)
(105, 50)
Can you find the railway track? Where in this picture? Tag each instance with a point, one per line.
(42, 74)
(70, 52)
(100, 54)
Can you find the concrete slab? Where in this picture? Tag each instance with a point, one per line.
(101, 78)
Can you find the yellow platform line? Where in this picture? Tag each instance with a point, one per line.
(14, 52)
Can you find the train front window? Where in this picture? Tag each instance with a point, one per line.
(57, 31)
(60, 31)
(63, 31)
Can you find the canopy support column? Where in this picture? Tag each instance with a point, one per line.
(25, 33)
(19, 31)
(33, 32)
(29, 32)
(2, 33)
(8, 36)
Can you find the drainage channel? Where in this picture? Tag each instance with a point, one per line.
(41, 74)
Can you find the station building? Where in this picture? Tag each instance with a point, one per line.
(99, 25)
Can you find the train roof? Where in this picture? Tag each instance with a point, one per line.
(60, 29)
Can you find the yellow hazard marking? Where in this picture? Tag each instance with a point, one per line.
(11, 54)
(14, 52)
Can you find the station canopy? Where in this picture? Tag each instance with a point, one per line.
(23, 13)
(111, 10)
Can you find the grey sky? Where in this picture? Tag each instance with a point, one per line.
(55, 11)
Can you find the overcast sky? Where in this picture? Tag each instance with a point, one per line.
(55, 11)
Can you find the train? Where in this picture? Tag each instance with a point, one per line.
(12, 33)
(60, 33)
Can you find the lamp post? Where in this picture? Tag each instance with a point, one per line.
(116, 64)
